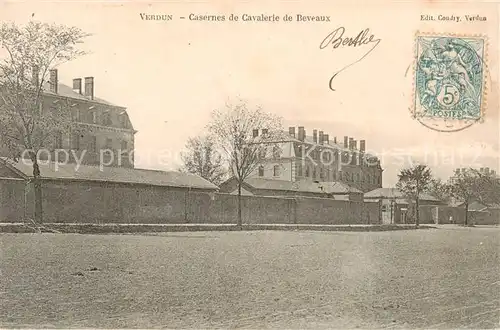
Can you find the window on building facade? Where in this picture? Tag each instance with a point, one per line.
(93, 144)
(346, 176)
(276, 170)
(334, 175)
(299, 169)
(261, 170)
(75, 141)
(357, 177)
(276, 151)
(123, 120)
(314, 173)
(123, 148)
(326, 155)
(92, 117)
(106, 119)
(308, 171)
(328, 174)
(58, 143)
(109, 143)
(75, 114)
(321, 174)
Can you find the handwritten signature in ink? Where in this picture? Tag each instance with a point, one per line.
(336, 39)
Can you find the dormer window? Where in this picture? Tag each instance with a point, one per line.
(106, 120)
(92, 117)
(124, 121)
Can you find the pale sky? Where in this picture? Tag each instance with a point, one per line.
(172, 74)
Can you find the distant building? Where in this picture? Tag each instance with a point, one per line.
(316, 158)
(395, 206)
(481, 170)
(303, 188)
(105, 125)
(481, 214)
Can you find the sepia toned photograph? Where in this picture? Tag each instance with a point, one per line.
(225, 165)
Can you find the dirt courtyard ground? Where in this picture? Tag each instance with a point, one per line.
(435, 278)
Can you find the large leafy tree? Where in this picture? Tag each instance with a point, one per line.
(463, 188)
(245, 135)
(488, 188)
(440, 190)
(26, 125)
(202, 158)
(412, 182)
(471, 185)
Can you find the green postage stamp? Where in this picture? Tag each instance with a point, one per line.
(449, 81)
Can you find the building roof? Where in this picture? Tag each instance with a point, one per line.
(476, 206)
(67, 91)
(59, 171)
(302, 186)
(394, 193)
(331, 145)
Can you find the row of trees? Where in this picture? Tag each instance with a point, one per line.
(465, 187)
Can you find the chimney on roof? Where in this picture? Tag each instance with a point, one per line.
(255, 133)
(355, 144)
(457, 171)
(89, 87)
(315, 136)
(481, 170)
(350, 143)
(302, 133)
(321, 137)
(77, 85)
(335, 140)
(327, 138)
(487, 170)
(291, 131)
(362, 145)
(346, 138)
(53, 80)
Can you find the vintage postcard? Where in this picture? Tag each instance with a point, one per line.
(218, 165)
